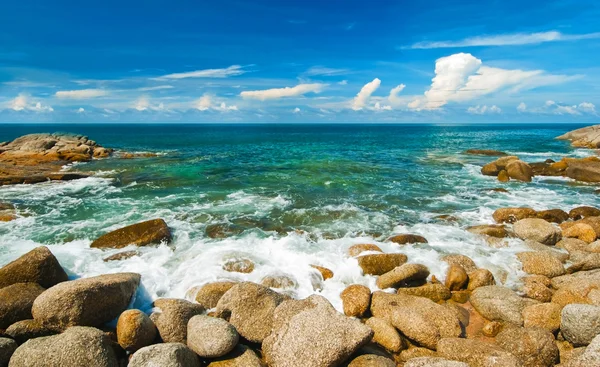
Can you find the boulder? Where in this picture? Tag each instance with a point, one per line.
(589, 357)
(588, 137)
(151, 232)
(164, 355)
(480, 278)
(492, 328)
(534, 347)
(16, 301)
(356, 300)
(436, 292)
(553, 215)
(7, 348)
(581, 231)
(498, 303)
(36, 266)
(241, 356)
(121, 256)
(456, 278)
(135, 330)
(407, 238)
(583, 170)
(490, 169)
(356, 250)
(541, 263)
(433, 362)
(511, 215)
(503, 162)
(77, 346)
(211, 337)
(239, 266)
(279, 282)
(325, 272)
(476, 353)
(209, 294)
(537, 287)
(385, 335)
(503, 176)
(561, 256)
(581, 212)
(538, 230)
(461, 260)
(371, 360)
(586, 262)
(543, 315)
(86, 302)
(402, 275)
(492, 230)
(249, 308)
(580, 323)
(22, 331)
(519, 170)
(486, 152)
(172, 317)
(378, 264)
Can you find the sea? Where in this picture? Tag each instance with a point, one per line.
(288, 196)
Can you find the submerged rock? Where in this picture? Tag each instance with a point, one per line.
(239, 266)
(37, 266)
(407, 238)
(325, 272)
(145, 233)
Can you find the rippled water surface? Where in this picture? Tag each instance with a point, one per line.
(289, 195)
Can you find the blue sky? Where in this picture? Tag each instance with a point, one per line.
(300, 61)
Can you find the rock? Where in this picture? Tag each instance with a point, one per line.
(7, 348)
(356, 250)
(241, 356)
(371, 360)
(492, 328)
(461, 260)
(325, 273)
(77, 346)
(86, 302)
(476, 353)
(435, 292)
(407, 238)
(581, 231)
(490, 169)
(580, 323)
(543, 315)
(378, 264)
(503, 176)
(135, 330)
(211, 337)
(433, 362)
(541, 263)
(583, 212)
(583, 170)
(456, 278)
(537, 230)
(356, 300)
(151, 232)
(498, 303)
(503, 162)
(587, 262)
(121, 256)
(402, 275)
(209, 294)
(553, 215)
(572, 244)
(249, 308)
(16, 301)
(537, 287)
(279, 282)
(590, 356)
(511, 215)
(22, 331)
(36, 266)
(480, 278)
(172, 318)
(519, 170)
(492, 230)
(551, 250)
(164, 355)
(593, 247)
(487, 152)
(385, 335)
(534, 347)
(239, 266)
(584, 137)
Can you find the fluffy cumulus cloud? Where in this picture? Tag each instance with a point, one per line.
(394, 97)
(462, 77)
(555, 108)
(362, 98)
(24, 103)
(206, 103)
(81, 93)
(233, 70)
(484, 109)
(277, 93)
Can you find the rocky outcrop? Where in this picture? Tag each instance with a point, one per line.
(145, 233)
(587, 137)
(37, 266)
(476, 353)
(165, 355)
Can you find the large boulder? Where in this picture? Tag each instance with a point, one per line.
(407, 238)
(580, 323)
(581, 212)
(210, 337)
(241, 356)
(7, 348)
(511, 215)
(209, 294)
(544, 315)
(588, 137)
(476, 353)
(22, 331)
(385, 335)
(165, 355)
(584, 170)
(537, 287)
(480, 278)
(403, 275)
(135, 330)
(581, 231)
(461, 260)
(553, 215)
(378, 264)
(456, 278)
(249, 308)
(541, 263)
(538, 230)
(86, 302)
(171, 317)
(16, 301)
(315, 337)
(519, 170)
(534, 347)
(357, 249)
(498, 303)
(145, 233)
(77, 347)
(36, 266)
(436, 292)
(356, 300)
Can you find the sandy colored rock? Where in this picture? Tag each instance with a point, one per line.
(503, 162)
(16, 301)
(498, 303)
(553, 215)
(551, 250)
(239, 266)
(325, 273)
(7, 348)
(436, 292)
(165, 355)
(543, 315)
(537, 287)
(122, 256)
(534, 347)
(36, 266)
(538, 230)
(407, 238)
(386, 335)
(402, 275)
(433, 362)
(135, 330)
(541, 263)
(588, 137)
(503, 176)
(378, 264)
(150, 232)
(519, 170)
(279, 282)
(22, 331)
(480, 278)
(210, 337)
(492, 328)
(580, 323)
(241, 356)
(581, 231)
(77, 346)
(456, 278)
(492, 230)
(461, 260)
(589, 357)
(356, 300)
(490, 169)
(172, 317)
(581, 212)
(476, 353)
(209, 294)
(356, 250)
(86, 302)
(371, 360)
(588, 261)
(511, 215)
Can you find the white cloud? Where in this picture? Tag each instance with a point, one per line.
(484, 109)
(361, 99)
(522, 107)
(394, 97)
(233, 70)
(587, 107)
(158, 87)
(343, 82)
(143, 104)
(81, 93)
(296, 110)
(276, 93)
(205, 103)
(81, 110)
(515, 39)
(553, 108)
(23, 103)
(321, 70)
(379, 107)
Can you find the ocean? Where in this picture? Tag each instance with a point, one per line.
(287, 195)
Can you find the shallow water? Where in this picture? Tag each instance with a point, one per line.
(295, 195)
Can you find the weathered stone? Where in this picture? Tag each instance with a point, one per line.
(480, 278)
(553, 215)
(402, 275)
(241, 356)
(86, 302)
(325, 272)
(544, 315)
(433, 362)
(511, 215)
(356, 300)
(581, 231)
(589, 357)
(211, 337)
(386, 335)
(534, 347)
(503, 176)
(492, 230)
(537, 287)
(581, 212)
(150, 232)
(519, 170)
(503, 162)
(583, 170)
(164, 355)
(356, 250)
(586, 262)
(371, 360)
(580, 323)
(24, 330)
(36, 266)
(436, 292)
(490, 169)
(537, 230)
(456, 278)
(584, 137)
(551, 250)
(407, 238)
(172, 318)
(492, 328)
(378, 264)
(16, 301)
(498, 304)
(461, 260)
(541, 263)
(135, 330)
(476, 353)
(239, 266)
(279, 282)
(7, 348)
(209, 294)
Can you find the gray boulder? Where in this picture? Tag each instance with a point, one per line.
(476, 353)
(580, 323)
(590, 357)
(498, 303)
(7, 348)
(172, 317)
(211, 337)
(164, 355)
(534, 347)
(241, 356)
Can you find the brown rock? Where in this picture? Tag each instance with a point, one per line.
(241, 356)
(541, 263)
(386, 335)
(402, 275)
(543, 315)
(511, 215)
(583, 170)
(537, 230)
(534, 347)
(135, 330)
(553, 215)
(492, 230)
(490, 169)
(519, 170)
(503, 162)
(537, 287)
(480, 278)
(551, 250)
(476, 353)
(279, 282)
(239, 266)
(325, 273)
(498, 303)
(492, 328)
(378, 264)
(486, 152)
(356, 300)
(456, 278)
(121, 256)
(172, 317)
(356, 250)
(435, 292)
(407, 238)
(461, 260)
(16, 301)
(371, 360)
(588, 262)
(209, 294)
(503, 176)
(24, 330)
(145, 233)
(36, 266)
(581, 231)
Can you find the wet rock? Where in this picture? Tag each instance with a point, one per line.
(486, 152)
(553, 215)
(407, 238)
(461, 260)
(135, 330)
(279, 282)
(402, 275)
(16, 301)
(77, 346)
(356, 250)
(165, 355)
(541, 263)
(580, 323)
(36, 266)
(325, 273)
(534, 347)
(378, 264)
(385, 335)
(456, 278)
(151, 232)
(22, 331)
(537, 230)
(122, 256)
(490, 169)
(503, 162)
(317, 336)
(476, 353)
(583, 212)
(511, 215)
(209, 294)
(241, 356)
(7, 348)
(172, 318)
(239, 266)
(498, 303)
(249, 308)
(371, 360)
(86, 302)
(581, 231)
(222, 230)
(356, 300)
(519, 170)
(480, 278)
(503, 176)
(211, 337)
(544, 315)
(492, 230)
(435, 292)
(584, 170)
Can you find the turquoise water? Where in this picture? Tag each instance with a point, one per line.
(289, 196)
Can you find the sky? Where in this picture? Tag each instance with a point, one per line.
(300, 61)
